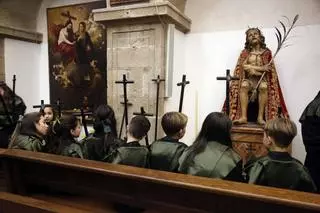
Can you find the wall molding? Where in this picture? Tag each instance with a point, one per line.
(20, 34)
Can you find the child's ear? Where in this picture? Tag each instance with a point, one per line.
(72, 131)
(182, 132)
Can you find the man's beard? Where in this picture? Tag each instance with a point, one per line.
(69, 31)
(255, 41)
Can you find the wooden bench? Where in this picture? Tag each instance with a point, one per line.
(11, 203)
(101, 184)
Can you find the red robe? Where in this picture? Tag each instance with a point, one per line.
(275, 97)
(67, 51)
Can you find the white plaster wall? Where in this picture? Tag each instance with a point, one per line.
(21, 59)
(189, 103)
(217, 37)
(222, 15)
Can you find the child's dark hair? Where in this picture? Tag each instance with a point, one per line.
(105, 121)
(139, 126)
(27, 126)
(216, 127)
(67, 123)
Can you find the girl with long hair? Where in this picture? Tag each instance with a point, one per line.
(29, 133)
(211, 154)
(104, 139)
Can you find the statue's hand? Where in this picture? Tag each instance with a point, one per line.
(247, 67)
(253, 72)
(267, 68)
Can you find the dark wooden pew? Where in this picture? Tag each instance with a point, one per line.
(2, 177)
(11, 203)
(102, 184)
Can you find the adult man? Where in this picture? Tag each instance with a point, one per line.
(254, 60)
(66, 42)
(310, 125)
(11, 106)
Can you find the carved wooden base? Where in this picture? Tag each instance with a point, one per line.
(247, 141)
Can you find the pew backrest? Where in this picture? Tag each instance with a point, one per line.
(12, 203)
(150, 189)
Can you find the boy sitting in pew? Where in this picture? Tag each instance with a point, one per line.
(165, 153)
(132, 153)
(278, 168)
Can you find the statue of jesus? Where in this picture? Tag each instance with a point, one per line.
(254, 60)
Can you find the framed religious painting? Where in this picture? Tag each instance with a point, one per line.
(77, 56)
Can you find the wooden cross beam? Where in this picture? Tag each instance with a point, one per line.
(14, 95)
(157, 81)
(182, 84)
(227, 78)
(58, 105)
(42, 106)
(122, 120)
(124, 83)
(68, 15)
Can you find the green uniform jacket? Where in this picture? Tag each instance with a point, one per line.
(131, 154)
(279, 169)
(26, 142)
(216, 161)
(165, 154)
(100, 147)
(70, 147)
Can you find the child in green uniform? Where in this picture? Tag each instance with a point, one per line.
(278, 168)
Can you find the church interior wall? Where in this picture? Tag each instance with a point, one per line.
(213, 45)
(22, 60)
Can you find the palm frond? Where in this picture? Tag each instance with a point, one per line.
(295, 19)
(286, 31)
(284, 27)
(287, 19)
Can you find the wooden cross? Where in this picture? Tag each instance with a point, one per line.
(122, 120)
(182, 84)
(42, 106)
(83, 118)
(14, 95)
(157, 81)
(58, 105)
(124, 82)
(228, 78)
(67, 14)
(143, 113)
(250, 149)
